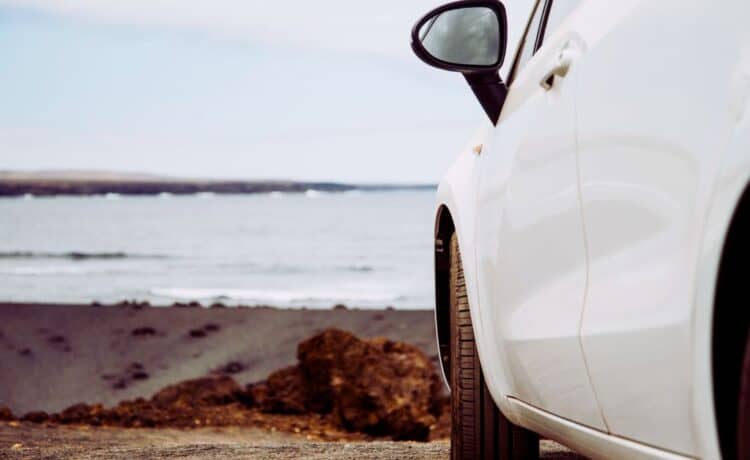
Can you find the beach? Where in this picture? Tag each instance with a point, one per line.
(54, 356)
(91, 358)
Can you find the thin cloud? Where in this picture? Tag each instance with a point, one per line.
(331, 25)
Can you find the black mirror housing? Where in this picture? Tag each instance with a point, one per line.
(474, 60)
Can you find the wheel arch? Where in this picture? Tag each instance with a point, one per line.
(730, 322)
(444, 229)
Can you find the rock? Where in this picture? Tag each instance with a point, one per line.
(376, 386)
(143, 331)
(204, 391)
(286, 391)
(341, 386)
(140, 375)
(6, 415)
(340, 306)
(232, 367)
(197, 333)
(76, 413)
(36, 417)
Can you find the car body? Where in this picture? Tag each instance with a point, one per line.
(593, 220)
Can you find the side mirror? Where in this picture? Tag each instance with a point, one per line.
(470, 37)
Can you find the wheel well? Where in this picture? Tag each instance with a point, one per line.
(444, 229)
(730, 325)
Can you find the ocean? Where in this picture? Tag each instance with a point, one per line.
(313, 249)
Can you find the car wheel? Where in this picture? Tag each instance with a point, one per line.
(743, 412)
(478, 429)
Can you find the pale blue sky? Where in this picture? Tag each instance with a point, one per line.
(247, 91)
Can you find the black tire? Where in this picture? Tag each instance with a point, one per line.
(478, 429)
(743, 410)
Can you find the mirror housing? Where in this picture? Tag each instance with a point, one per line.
(477, 67)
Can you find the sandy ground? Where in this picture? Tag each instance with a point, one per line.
(54, 356)
(37, 441)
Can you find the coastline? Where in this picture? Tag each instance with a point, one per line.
(18, 187)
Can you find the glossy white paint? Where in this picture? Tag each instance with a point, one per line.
(591, 443)
(593, 222)
(649, 153)
(530, 253)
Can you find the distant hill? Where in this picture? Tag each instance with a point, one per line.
(51, 182)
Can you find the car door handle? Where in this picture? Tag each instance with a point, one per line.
(561, 64)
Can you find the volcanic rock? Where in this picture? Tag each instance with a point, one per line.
(376, 386)
(6, 415)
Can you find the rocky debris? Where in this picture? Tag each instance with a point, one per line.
(60, 342)
(203, 331)
(36, 417)
(232, 367)
(6, 415)
(197, 333)
(57, 339)
(140, 375)
(143, 331)
(377, 386)
(342, 388)
(187, 305)
(134, 304)
(205, 391)
(26, 352)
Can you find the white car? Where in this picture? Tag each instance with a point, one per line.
(592, 241)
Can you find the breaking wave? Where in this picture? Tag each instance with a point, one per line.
(276, 297)
(76, 255)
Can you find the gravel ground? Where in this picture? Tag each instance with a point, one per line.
(30, 441)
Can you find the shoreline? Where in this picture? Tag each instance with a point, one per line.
(64, 187)
(140, 304)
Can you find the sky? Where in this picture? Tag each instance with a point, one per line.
(324, 90)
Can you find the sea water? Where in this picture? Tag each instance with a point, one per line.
(314, 249)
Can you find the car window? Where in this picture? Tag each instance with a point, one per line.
(528, 45)
(557, 11)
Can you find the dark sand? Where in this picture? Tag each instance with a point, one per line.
(54, 356)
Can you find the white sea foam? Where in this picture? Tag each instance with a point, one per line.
(28, 196)
(313, 193)
(277, 297)
(165, 195)
(112, 196)
(276, 194)
(205, 194)
(53, 270)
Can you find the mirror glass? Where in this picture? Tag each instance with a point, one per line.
(463, 36)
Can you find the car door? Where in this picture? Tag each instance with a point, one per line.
(649, 138)
(530, 244)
